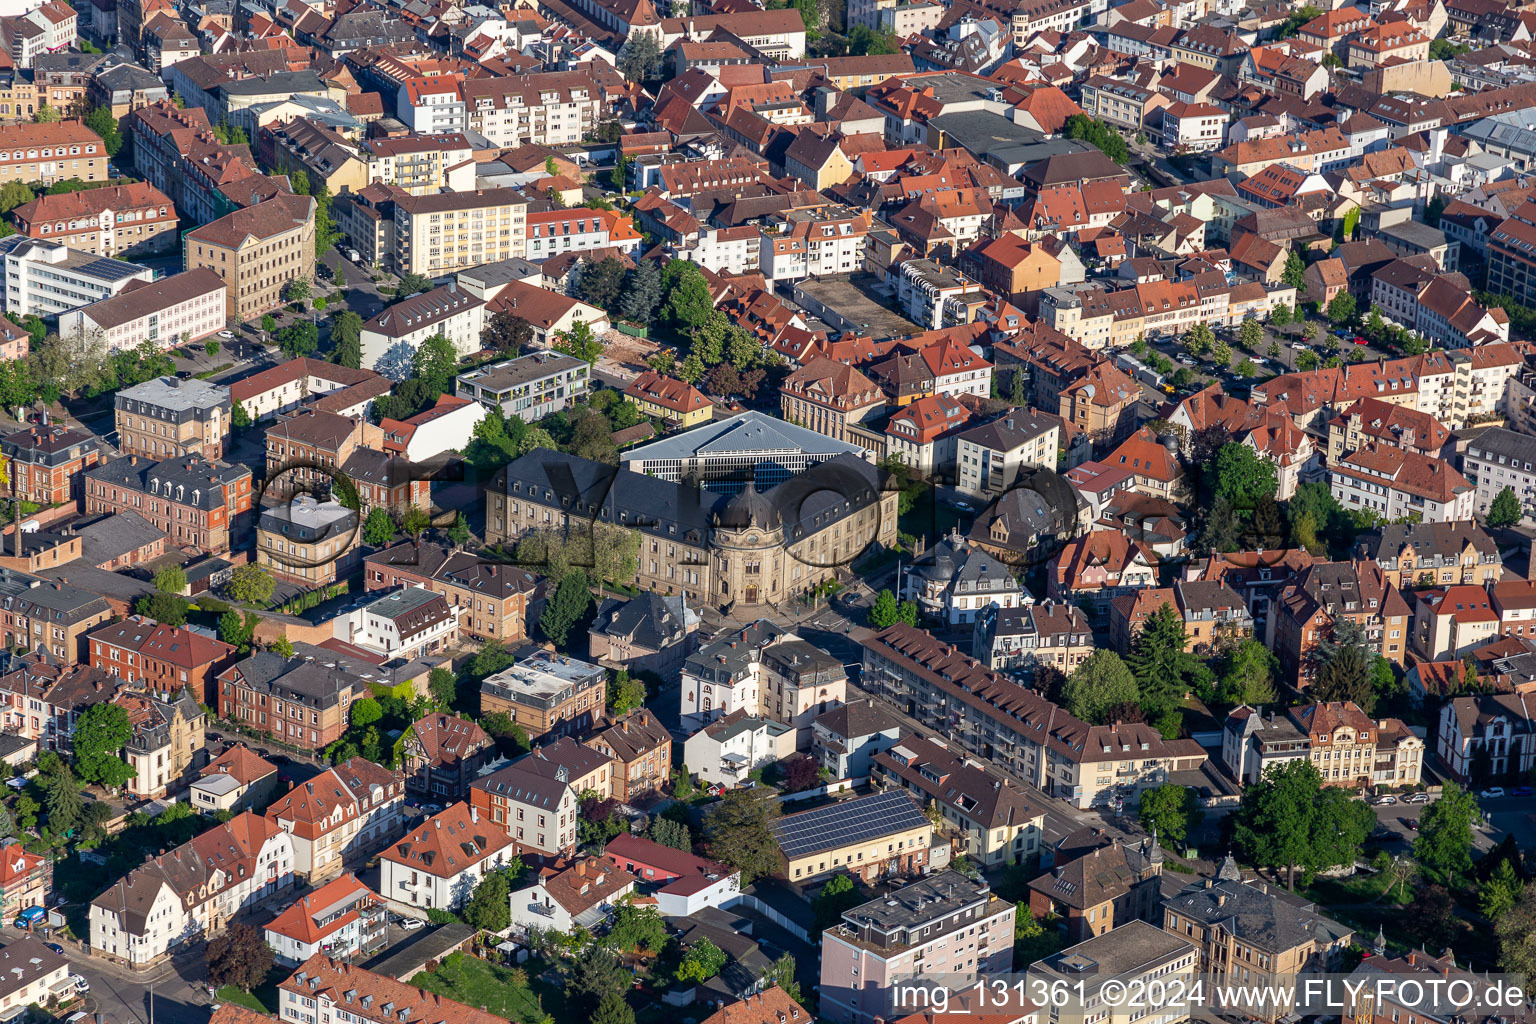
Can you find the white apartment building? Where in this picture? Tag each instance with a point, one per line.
(343, 918)
(441, 862)
(726, 250)
(728, 749)
(1498, 458)
(417, 164)
(175, 310)
(924, 290)
(436, 235)
(1197, 127)
(989, 458)
(1396, 482)
(1132, 954)
(814, 243)
(529, 387)
(537, 811)
(390, 340)
(45, 278)
(762, 670)
(555, 108)
(949, 926)
(31, 973)
(433, 106)
(409, 623)
(559, 231)
(192, 892)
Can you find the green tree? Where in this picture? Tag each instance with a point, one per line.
(572, 600)
(101, 121)
(613, 1009)
(637, 927)
(703, 961)
(1295, 271)
(1221, 353)
(346, 339)
(598, 972)
(46, 114)
(670, 833)
(626, 694)
(299, 340)
(296, 290)
(171, 579)
(865, 41)
(1504, 510)
(1158, 660)
(618, 175)
(240, 957)
(490, 906)
(1251, 334)
(1345, 674)
(642, 292)
(1099, 134)
(268, 323)
(364, 713)
(1197, 341)
(1516, 932)
(166, 609)
(250, 584)
(1247, 674)
(378, 528)
(1281, 316)
(1351, 218)
(412, 283)
(100, 735)
(580, 342)
(1501, 892)
(738, 831)
(435, 363)
(883, 612)
(1444, 844)
(1243, 476)
(62, 801)
(1341, 309)
(14, 194)
(782, 974)
(232, 629)
(1170, 810)
(1098, 686)
(414, 521)
(1290, 820)
(282, 645)
(688, 303)
(840, 893)
(599, 282)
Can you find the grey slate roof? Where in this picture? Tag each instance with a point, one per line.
(650, 620)
(859, 718)
(1254, 916)
(201, 482)
(750, 431)
(114, 536)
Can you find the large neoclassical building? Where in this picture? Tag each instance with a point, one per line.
(749, 550)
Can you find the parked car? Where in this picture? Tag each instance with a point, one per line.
(411, 924)
(1416, 798)
(81, 985)
(1360, 341)
(1521, 791)
(1383, 801)
(55, 947)
(226, 334)
(1413, 824)
(1492, 793)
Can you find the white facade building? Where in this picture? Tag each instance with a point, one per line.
(390, 340)
(45, 278)
(440, 863)
(727, 750)
(182, 308)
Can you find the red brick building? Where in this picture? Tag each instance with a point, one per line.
(198, 504)
(45, 461)
(162, 658)
(494, 595)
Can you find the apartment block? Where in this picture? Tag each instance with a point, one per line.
(198, 504)
(1134, 954)
(438, 234)
(45, 279)
(46, 462)
(308, 542)
(120, 220)
(51, 152)
(169, 418)
(547, 694)
(948, 925)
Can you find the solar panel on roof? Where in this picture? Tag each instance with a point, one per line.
(843, 824)
(110, 270)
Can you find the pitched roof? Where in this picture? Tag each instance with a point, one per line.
(450, 843)
(342, 984)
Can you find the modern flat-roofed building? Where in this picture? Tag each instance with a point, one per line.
(528, 387)
(948, 925)
(727, 454)
(44, 278)
(1498, 458)
(547, 694)
(175, 310)
(1134, 952)
(169, 418)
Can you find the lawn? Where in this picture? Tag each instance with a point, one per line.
(475, 982)
(263, 998)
